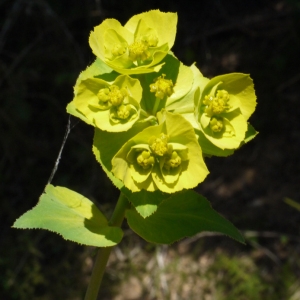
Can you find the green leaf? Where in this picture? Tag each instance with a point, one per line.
(71, 215)
(146, 203)
(183, 214)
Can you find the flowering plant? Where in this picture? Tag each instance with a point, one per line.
(155, 121)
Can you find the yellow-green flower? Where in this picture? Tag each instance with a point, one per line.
(111, 106)
(223, 106)
(165, 157)
(139, 46)
(166, 88)
(162, 87)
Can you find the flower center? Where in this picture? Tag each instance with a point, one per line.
(160, 146)
(216, 124)
(218, 104)
(162, 87)
(172, 161)
(145, 160)
(138, 51)
(112, 96)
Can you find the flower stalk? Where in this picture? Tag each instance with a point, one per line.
(156, 104)
(104, 252)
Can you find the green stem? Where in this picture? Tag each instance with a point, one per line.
(104, 252)
(156, 104)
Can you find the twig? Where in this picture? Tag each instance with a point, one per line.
(68, 129)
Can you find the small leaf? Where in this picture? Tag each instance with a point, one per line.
(183, 214)
(71, 215)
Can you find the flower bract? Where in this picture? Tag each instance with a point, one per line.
(165, 157)
(222, 107)
(111, 106)
(139, 46)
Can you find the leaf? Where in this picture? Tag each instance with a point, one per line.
(183, 214)
(71, 215)
(146, 203)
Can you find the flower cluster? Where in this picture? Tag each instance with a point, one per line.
(157, 118)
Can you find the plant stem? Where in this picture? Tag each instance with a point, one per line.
(156, 104)
(104, 252)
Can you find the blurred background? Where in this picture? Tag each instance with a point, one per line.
(44, 46)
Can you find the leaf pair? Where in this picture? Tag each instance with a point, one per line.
(77, 219)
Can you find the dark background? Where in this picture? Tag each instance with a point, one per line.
(44, 46)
